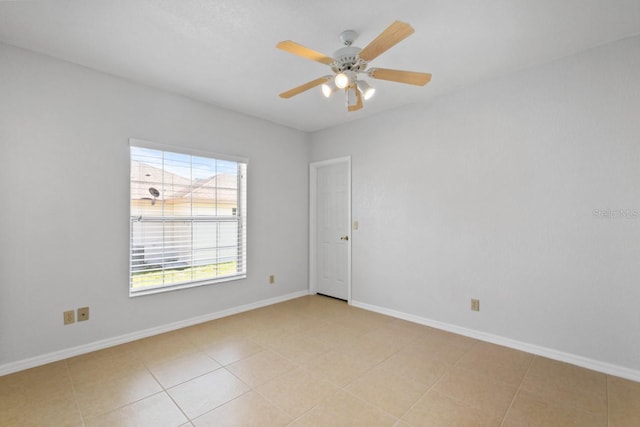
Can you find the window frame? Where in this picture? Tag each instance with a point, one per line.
(240, 217)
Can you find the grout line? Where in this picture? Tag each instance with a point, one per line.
(570, 404)
(127, 404)
(436, 381)
(75, 392)
(178, 406)
(372, 405)
(515, 395)
(164, 390)
(464, 353)
(217, 407)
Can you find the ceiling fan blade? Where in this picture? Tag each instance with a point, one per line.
(302, 88)
(409, 77)
(305, 52)
(393, 35)
(358, 104)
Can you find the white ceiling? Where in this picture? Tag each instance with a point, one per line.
(223, 51)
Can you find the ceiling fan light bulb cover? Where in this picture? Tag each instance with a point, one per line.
(369, 93)
(341, 80)
(366, 89)
(329, 88)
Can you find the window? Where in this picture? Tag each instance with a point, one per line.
(188, 219)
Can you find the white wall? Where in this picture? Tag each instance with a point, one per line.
(489, 193)
(64, 164)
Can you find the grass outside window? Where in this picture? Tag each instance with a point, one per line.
(144, 279)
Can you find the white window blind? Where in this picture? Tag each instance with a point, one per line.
(188, 219)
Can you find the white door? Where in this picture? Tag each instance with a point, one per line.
(332, 228)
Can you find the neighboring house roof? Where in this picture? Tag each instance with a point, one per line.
(173, 187)
(204, 189)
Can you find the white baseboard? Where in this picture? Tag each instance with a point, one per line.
(122, 339)
(596, 365)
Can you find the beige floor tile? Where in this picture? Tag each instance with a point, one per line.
(316, 306)
(267, 332)
(415, 364)
(500, 363)
(392, 391)
(331, 333)
(280, 325)
(260, 368)
(50, 372)
(370, 347)
(444, 346)
(202, 394)
(240, 325)
(56, 408)
(341, 368)
(297, 391)
(298, 352)
(435, 409)
(34, 381)
(398, 333)
(122, 353)
(416, 330)
(232, 349)
(34, 387)
(261, 313)
(567, 384)
(164, 347)
(105, 365)
(345, 410)
(175, 371)
(531, 410)
(248, 410)
(96, 398)
(206, 333)
(624, 402)
(28, 420)
(360, 320)
(477, 391)
(322, 301)
(157, 410)
(299, 348)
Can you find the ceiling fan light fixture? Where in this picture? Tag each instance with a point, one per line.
(349, 62)
(341, 80)
(329, 88)
(366, 89)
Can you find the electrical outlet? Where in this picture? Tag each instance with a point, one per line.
(475, 304)
(272, 279)
(69, 317)
(83, 314)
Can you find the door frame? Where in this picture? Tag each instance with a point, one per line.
(313, 204)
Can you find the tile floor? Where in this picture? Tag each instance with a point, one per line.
(314, 361)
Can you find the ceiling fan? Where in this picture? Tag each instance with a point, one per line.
(350, 61)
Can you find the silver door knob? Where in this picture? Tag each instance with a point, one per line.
(344, 238)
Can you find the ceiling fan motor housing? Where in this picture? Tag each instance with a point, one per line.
(347, 59)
